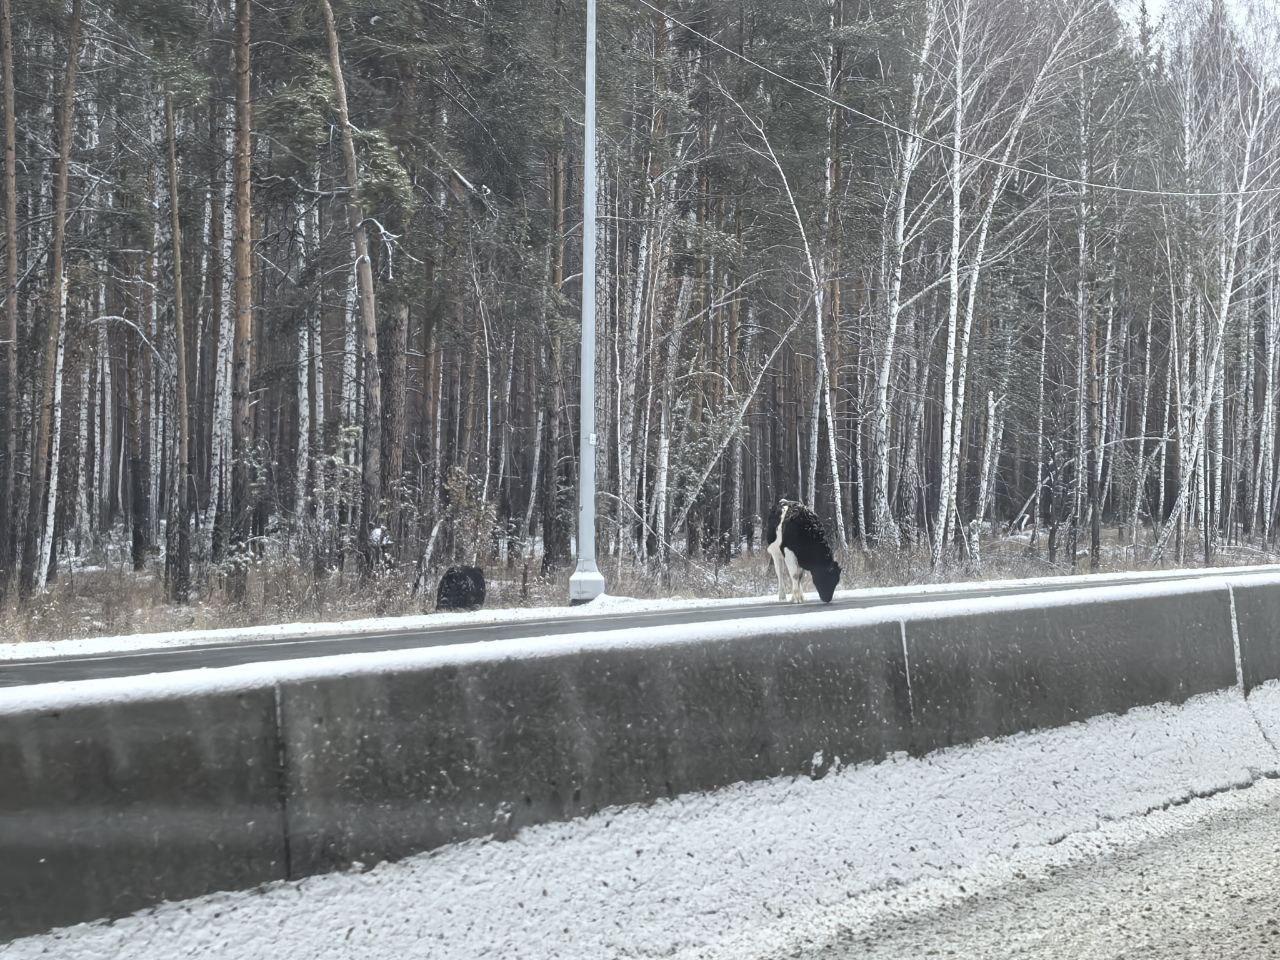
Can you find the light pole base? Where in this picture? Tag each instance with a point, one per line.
(586, 584)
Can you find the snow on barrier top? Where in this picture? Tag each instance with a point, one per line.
(121, 793)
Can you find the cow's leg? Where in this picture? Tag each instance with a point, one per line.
(775, 553)
(797, 576)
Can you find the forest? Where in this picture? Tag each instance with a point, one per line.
(293, 287)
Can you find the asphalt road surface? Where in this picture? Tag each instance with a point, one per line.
(1211, 890)
(229, 653)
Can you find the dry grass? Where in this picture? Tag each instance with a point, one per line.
(113, 600)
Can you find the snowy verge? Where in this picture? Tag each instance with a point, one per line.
(1264, 701)
(748, 871)
(603, 605)
(187, 683)
(372, 626)
(865, 917)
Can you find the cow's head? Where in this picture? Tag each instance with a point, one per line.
(826, 578)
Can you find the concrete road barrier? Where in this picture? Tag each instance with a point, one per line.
(310, 766)
(994, 673)
(1257, 609)
(387, 765)
(106, 809)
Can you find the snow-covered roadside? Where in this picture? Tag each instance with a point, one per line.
(744, 872)
(186, 683)
(604, 605)
(88, 646)
(1264, 702)
(883, 912)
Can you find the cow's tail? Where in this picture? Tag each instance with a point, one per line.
(775, 532)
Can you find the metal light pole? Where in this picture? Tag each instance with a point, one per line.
(587, 582)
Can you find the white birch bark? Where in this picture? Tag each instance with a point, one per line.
(1208, 375)
(106, 428)
(526, 529)
(959, 333)
(158, 392)
(947, 484)
(1144, 460)
(816, 283)
(1260, 510)
(315, 337)
(909, 155)
(348, 487)
(302, 361)
(986, 473)
(55, 454)
(487, 458)
(507, 414)
(628, 373)
(82, 520)
(220, 430)
(1037, 492)
(662, 470)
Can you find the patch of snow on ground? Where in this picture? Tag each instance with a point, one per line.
(864, 917)
(748, 871)
(1264, 701)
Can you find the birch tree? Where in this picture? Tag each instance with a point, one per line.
(9, 488)
(43, 465)
(371, 471)
(239, 505)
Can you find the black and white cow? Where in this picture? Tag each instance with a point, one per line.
(461, 588)
(795, 538)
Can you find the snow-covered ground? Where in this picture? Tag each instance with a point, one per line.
(601, 605)
(747, 872)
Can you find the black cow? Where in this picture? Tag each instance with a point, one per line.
(795, 537)
(461, 588)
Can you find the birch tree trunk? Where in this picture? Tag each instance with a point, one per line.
(1084, 481)
(106, 435)
(83, 517)
(947, 460)
(667, 403)
(1208, 373)
(41, 467)
(180, 510)
(1040, 388)
(628, 379)
(217, 513)
(55, 454)
(959, 333)
(9, 486)
(302, 392)
(987, 469)
(239, 507)
(884, 525)
(371, 471)
(816, 299)
(138, 482)
(317, 439)
(1144, 461)
(1259, 510)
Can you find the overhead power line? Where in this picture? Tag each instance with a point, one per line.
(889, 125)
